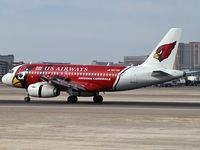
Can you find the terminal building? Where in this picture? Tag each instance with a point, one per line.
(128, 60)
(6, 62)
(56, 63)
(188, 56)
(101, 63)
(3, 67)
(134, 60)
(106, 63)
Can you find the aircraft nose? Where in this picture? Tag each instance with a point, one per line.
(3, 79)
(7, 79)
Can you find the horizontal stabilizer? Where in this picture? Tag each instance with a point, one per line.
(159, 74)
(188, 73)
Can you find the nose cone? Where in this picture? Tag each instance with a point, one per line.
(7, 79)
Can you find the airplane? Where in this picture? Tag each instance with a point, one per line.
(43, 80)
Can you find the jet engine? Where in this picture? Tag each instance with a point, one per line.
(43, 89)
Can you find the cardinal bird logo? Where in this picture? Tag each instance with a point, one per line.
(164, 51)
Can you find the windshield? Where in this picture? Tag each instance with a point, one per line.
(11, 71)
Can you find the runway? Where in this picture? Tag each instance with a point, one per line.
(139, 119)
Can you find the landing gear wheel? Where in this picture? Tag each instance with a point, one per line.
(72, 99)
(27, 99)
(98, 99)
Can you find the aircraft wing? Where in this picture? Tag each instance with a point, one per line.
(64, 83)
(68, 84)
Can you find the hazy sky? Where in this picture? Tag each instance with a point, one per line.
(79, 31)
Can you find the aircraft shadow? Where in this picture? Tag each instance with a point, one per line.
(105, 103)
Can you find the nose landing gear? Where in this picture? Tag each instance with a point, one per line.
(27, 99)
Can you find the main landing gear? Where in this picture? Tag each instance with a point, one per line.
(74, 99)
(98, 99)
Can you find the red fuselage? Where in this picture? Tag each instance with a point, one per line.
(93, 78)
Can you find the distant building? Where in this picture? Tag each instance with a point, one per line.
(17, 63)
(6, 62)
(128, 60)
(120, 63)
(134, 60)
(56, 63)
(7, 58)
(3, 67)
(101, 63)
(106, 63)
(188, 56)
(49, 63)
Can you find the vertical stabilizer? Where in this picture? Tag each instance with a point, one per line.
(165, 52)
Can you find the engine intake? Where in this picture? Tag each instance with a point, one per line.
(43, 89)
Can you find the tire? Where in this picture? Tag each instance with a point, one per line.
(98, 99)
(72, 99)
(27, 99)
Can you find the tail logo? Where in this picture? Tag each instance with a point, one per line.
(164, 51)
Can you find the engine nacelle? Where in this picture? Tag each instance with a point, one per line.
(43, 89)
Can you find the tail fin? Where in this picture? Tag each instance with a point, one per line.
(165, 52)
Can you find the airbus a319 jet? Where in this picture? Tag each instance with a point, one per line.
(42, 80)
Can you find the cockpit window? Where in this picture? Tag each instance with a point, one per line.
(11, 71)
